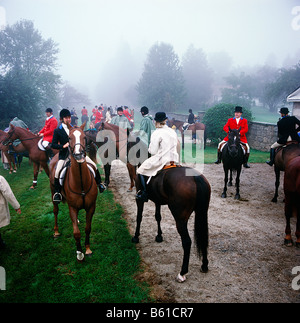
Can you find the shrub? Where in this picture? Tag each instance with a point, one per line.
(216, 117)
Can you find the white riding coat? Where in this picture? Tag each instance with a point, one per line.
(163, 148)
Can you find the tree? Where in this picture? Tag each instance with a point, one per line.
(161, 86)
(27, 68)
(198, 78)
(70, 97)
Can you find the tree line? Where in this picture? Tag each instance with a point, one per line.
(29, 82)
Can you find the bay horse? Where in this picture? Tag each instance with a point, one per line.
(79, 189)
(184, 190)
(192, 127)
(5, 150)
(30, 143)
(291, 188)
(283, 156)
(113, 142)
(232, 158)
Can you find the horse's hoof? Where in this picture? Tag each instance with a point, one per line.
(80, 256)
(129, 190)
(180, 279)
(135, 240)
(223, 195)
(274, 200)
(159, 239)
(297, 244)
(237, 197)
(288, 242)
(204, 269)
(56, 235)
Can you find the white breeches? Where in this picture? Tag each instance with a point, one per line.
(61, 163)
(222, 144)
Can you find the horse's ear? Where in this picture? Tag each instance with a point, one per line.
(83, 125)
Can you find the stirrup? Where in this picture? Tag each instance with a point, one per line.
(101, 187)
(142, 196)
(57, 198)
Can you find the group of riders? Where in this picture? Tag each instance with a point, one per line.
(162, 141)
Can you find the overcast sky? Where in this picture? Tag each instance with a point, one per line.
(90, 33)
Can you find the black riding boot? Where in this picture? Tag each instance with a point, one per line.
(49, 151)
(57, 198)
(218, 161)
(246, 161)
(272, 157)
(142, 194)
(100, 185)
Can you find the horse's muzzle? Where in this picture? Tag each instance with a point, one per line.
(80, 158)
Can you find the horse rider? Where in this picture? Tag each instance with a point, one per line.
(147, 124)
(163, 148)
(61, 142)
(15, 121)
(237, 122)
(84, 116)
(191, 120)
(47, 131)
(287, 131)
(121, 120)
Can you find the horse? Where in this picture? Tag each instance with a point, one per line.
(192, 127)
(184, 190)
(79, 189)
(291, 188)
(233, 159)
(113, 143)
(30, 143)
(283, 156)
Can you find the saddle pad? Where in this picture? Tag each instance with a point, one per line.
(172, 165)
(40, 145)
(63, 173)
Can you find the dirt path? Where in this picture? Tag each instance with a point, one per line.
(247, 259)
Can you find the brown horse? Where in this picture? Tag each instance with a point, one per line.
(194, 128)
(114, 143)
(30, 143)
(292, 198)
(184, 190)
(283, 156)
(79, 188)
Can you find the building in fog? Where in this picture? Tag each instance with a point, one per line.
(295, 99)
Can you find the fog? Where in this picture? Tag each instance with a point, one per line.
(104, 43)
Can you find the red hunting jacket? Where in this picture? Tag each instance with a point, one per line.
(48, 130)
(232, 124)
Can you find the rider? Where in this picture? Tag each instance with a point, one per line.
(147, 124)
(47, 131)
(163, 147)
(61, 142)
(121, 120)
(236, 123)
(286, 132)
(191, 120)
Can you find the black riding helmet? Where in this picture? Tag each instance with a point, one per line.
(64, 113)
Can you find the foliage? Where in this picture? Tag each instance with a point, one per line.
(161, 86)
(40, 269)
(28, 83)
(216, 117)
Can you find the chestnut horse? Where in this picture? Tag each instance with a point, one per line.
(184, 190)
(79, 188)
(114, 143)
(282, 157)
(192, 127)
(291, 187)
(30, 143)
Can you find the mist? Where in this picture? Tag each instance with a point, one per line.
(104, 43)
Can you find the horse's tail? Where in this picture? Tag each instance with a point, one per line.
(201, 221)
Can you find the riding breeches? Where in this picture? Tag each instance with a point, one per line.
(223, 142)
(60, 164)
(276, 144)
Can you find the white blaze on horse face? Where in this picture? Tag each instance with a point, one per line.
(77, 134)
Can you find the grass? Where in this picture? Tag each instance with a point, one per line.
(41, 269)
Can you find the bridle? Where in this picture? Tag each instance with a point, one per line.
(8, 140)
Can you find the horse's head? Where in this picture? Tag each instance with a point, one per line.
(234, 142)
(77, 143)
(10, 136)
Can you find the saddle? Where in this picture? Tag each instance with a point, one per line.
(40, 146)
(66, 165)
(171, 165)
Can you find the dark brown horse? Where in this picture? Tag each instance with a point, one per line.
(184, 190)
(292, 198)
(30, 143)
(195, 128)
(113, 142)
(79, 188)
(283, 156)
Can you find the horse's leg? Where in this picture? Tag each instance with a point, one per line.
(237, 184)
(132, 174)
(36, 168)
(224, 195)
(182, 136)
(277, 182)
(298, 227)
(158, 219)
(288, 212)
(140, 208)
(88, 227)
(107, 168)
(230, 178)
(186, 245)
(76, 233)
(55, 211)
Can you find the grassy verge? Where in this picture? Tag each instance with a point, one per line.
(41, 269)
